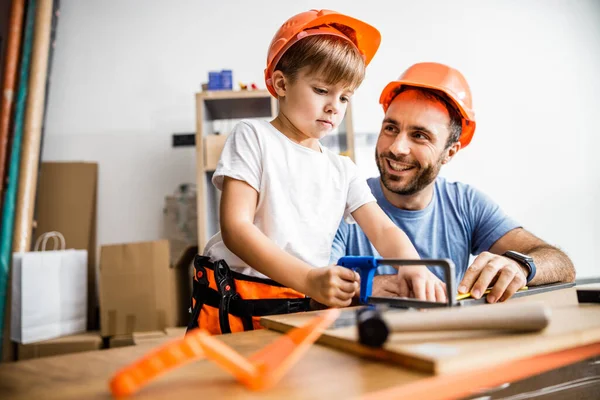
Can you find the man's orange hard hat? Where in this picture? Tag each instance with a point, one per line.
(442, 78)
(319, 22)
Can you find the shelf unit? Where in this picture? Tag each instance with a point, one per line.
(222, 109)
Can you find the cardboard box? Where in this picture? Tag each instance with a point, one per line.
(177, 332)
(148, 337)
(66, 202)
(139, 291)
(120, 341)
(88, 341)
(136, 338)
(213, 146)
(180, 221)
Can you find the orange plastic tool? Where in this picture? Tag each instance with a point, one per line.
(261, 371)
(266, 367)
(165, 358)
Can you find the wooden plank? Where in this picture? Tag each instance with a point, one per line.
(213, 147)
(460, 384)
(443, 352)
(348, 129)
(323, 373)
(234, 94)
(201, 187)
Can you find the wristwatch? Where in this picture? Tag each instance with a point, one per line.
(523, 260)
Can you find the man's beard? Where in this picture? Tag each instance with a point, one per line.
(393, 183)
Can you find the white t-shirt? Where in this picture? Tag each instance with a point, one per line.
(302, 193)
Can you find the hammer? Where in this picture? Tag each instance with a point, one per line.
(374, 329)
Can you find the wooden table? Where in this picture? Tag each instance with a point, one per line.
(322, 373)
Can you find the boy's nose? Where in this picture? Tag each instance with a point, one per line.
(332, 106)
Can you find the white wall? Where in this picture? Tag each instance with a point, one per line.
(125, 74)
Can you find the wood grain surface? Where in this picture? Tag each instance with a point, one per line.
(322, 373)
(443, 352)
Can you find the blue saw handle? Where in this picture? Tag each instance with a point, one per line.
(365, 266)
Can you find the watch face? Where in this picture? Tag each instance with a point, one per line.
(523, 259)
(519, 255)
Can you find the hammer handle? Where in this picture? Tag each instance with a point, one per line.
(524, 317)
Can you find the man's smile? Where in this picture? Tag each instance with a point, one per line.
(399, 166)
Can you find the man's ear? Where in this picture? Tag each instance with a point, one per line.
(451, 152)
(279, 83)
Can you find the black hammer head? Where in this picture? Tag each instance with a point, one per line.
(372, 329)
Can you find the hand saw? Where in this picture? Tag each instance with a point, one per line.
(365, 266)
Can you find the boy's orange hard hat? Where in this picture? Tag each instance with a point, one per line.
(318, 22)
(442, 78)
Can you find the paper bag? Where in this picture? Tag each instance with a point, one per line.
(66, 202)
(49, 292)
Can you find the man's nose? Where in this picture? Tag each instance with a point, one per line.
(401, 145)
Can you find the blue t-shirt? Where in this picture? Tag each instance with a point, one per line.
(459, 221)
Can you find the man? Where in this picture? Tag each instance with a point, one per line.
(428, 119)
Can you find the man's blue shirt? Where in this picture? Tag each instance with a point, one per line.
(459, 221)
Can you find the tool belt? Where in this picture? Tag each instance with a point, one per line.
(224, 301)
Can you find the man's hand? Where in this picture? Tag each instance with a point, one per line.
(506, 275)
(333, 286)
(386, 286)
(417, 282)
(420, 283)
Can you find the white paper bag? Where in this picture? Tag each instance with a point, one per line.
(49, 292)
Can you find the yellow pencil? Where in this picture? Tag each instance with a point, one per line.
(462, 296)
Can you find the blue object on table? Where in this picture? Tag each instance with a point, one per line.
(365, 266)
(226, 79)
(214, 80)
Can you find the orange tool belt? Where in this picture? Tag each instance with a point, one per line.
(224, 301)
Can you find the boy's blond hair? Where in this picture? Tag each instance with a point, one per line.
(334, 59)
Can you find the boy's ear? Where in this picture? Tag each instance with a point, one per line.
(279, 83)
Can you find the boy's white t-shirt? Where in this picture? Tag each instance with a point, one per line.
(302, 193)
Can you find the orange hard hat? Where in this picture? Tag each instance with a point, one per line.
(441, 78)
(318, 22)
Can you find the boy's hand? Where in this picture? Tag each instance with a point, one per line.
(420, 283)
(333, 286)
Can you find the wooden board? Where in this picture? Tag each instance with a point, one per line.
(323, 373)
(444, 352)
